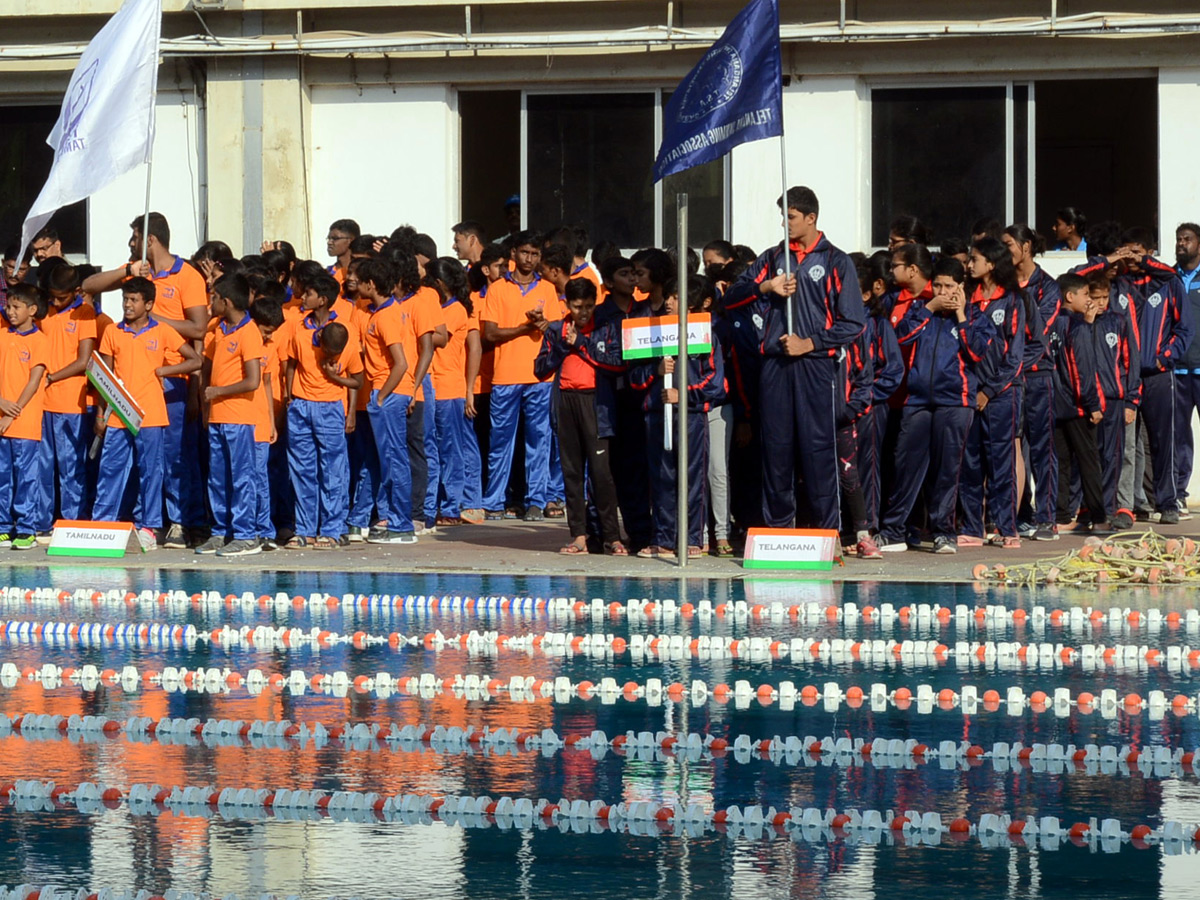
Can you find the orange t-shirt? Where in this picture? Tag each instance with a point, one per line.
(506, 304)
(20, 353)
(450, 362)
(583, 270)
(576, 373)
(177, 290)
(135, 356)
(487, 360)
(229, 349)
(386, 325)
(264, 411)
(310, 381)
(422, 313)
(337, 273)
(65, 329)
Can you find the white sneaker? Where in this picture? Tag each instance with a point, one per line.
(357, 535)
(896, 547)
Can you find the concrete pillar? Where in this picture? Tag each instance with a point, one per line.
(1179, 177)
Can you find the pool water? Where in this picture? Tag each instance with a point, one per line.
(251, 853)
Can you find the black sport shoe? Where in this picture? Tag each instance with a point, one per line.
(534, 514)
(175, 539)
(1122, 520)
(240, 548)
(1169, 517)
(1046, 533)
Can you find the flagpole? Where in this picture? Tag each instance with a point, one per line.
(146, 212)
(787, 240)
(681, 366)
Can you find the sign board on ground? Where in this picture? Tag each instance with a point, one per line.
(791, 548)
(80, 538)
(113, 393)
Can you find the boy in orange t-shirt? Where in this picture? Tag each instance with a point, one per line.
(137, 350)
(23, 352)
(233, 354)
(70, 329)
(511, 313)
(267, 314)
(322, 381)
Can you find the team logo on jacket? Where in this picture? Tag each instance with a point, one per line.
(757, 320)
(816, 273)
(997, 316)
(152, 344)
(1154, 300)
(232, 346)
(954, 332)
(1123, 301)
(1110, 339)
(70, 328)
(599, 346)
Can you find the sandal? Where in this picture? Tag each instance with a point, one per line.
(296, 542)
(324, 543)
(615, 548)
(554, 510)
(723, 548)
(649, 552)
(694, 552)
(574, 549)
(473, 516)
(449, 520)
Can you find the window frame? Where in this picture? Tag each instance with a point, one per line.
(619, 88)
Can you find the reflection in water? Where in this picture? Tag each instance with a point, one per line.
(326, 858)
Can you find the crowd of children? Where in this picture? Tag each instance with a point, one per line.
(904, 398)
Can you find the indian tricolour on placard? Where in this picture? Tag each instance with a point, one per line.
(791, 548)
(649, 338)
(72, 538)
(113, 393)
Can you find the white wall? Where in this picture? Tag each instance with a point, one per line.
(827, 150)
(176, 186)
(385, 158)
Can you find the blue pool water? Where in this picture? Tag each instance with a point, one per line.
(249, 855)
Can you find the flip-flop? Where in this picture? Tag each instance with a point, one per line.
(573, 550)
(296, 542)
(694, 552)
(615, 548)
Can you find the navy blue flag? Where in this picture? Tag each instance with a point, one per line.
(733, 95)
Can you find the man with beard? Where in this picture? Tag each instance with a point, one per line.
(1187, 375)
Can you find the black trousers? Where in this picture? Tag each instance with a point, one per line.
(1075, 443)
(585, 454)
(630, 468)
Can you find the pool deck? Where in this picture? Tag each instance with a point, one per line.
(518, 548)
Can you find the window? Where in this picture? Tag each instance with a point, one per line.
(1016, 152)
(589, 161)
(25, 160)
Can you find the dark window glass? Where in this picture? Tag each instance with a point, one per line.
(25, 160)
(590, 159)
(705, 187)
(1106, 170)
(1020, 153)
(937, 154)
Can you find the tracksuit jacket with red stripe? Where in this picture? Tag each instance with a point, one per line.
(1162, 317)
(1117, 367)
(827, 306)
(944, 356)
(1077, 390)
(1043, 290)
(601, 349)
(856, 381)
(1000, 366)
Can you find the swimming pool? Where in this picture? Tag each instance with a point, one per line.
(346, 850)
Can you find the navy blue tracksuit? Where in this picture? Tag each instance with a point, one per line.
(743, 361)
(991, 444)
(628, 447)
(887, 363)
(1077, 397)
(705, 388)
(799, 394)
(1038, 374)
(1187, 389)
(937, 414)
(1119, 378)
(1163, 328)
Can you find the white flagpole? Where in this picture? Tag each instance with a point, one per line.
(787, 240)
(681, 366)
(146, 212)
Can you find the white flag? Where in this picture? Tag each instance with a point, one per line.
(106, 126)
